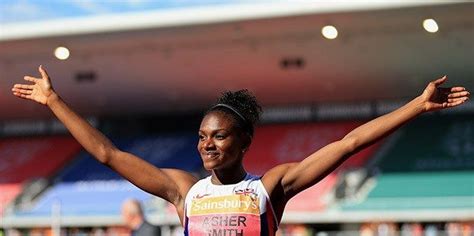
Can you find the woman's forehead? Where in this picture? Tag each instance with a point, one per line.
(217, 120)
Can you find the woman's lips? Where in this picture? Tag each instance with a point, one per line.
(211, 155)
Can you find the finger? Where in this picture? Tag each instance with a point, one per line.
(440, 80)
(451, 89)
(22, 95)
(457, 103)
(451, 100)
(22, 91)
(458, 94)
(31, 79)
(457, 89)
(43, 72)
(23, 86)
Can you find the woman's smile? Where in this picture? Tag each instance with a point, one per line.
(211, 155)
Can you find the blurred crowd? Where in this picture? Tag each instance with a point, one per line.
(365, 229)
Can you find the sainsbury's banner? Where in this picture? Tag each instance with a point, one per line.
(22, 159)
(225, 215)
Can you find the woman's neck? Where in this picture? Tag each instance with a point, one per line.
(228, 176)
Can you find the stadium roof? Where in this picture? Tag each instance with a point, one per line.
(179, 60)
(190, 16)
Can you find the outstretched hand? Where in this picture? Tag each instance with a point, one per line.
(436, 98)
(39, 91)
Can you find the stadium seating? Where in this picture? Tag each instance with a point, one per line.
(8, 192)
(84, 198)
(28, 158)
(89, 188)
(166, 151)
(434, 190)
(428, 166)
(25, 159)
(277, 144)
(432, 144)
(86, 187)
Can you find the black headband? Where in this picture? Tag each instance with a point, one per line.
(247, 124)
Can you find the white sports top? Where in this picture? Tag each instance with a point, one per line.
(243, 208)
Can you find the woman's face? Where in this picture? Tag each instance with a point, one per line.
(220, 142)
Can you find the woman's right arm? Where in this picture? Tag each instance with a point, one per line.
(169, 184)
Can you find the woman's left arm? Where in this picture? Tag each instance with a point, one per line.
(296, 177)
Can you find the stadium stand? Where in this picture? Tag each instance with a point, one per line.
(277, 144)
(425, 168)
(421, 147)
(88, 188)
(86, 198)
(434, 190)
(8, 192)
(26, 159)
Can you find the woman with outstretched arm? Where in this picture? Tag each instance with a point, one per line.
(230, 201)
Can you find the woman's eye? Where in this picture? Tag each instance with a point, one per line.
(219, 136)
(201, 137)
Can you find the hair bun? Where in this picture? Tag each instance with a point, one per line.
(244, 102)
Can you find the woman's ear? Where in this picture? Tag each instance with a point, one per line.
(247, 140)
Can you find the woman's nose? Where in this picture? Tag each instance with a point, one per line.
(208, 144)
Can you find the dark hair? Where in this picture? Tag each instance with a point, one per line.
(242, 105)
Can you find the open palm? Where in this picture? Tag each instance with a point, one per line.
(39, 91)
(437, 98)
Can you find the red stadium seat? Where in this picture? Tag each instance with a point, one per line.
(7, 193)
(23, 159)
(277, 144)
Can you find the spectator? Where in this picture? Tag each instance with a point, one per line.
(132, 214)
